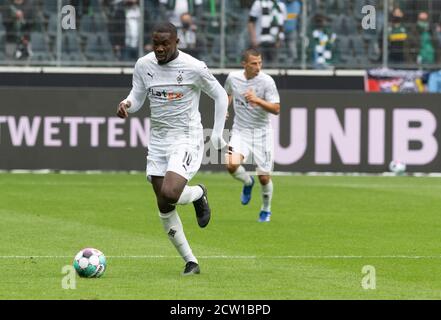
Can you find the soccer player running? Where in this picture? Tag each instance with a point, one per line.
(173, 81)
(254, 96)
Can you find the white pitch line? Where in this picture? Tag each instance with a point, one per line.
(237, 257)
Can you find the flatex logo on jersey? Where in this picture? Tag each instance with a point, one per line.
(239, 102)
(166, 95)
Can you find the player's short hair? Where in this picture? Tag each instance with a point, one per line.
(250, 52)
(165, 27)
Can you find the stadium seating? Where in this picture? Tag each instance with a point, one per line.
(40, 47)
(2, 38)
(87, 26)
(354, 47)
(52, 27)
(2, 26)
(98, 48)
(49, 8)
(71, 48)
(2, 45)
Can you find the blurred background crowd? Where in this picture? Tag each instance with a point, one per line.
(318, 34)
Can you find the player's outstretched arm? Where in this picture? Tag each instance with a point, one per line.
(220, 98)
(137, 95)
(213, 88)
(230, 101)
(221, 111)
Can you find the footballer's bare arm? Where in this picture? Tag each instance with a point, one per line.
(254, 100)
(230, 101)
(122, 109)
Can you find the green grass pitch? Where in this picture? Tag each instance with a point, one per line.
(323, 231)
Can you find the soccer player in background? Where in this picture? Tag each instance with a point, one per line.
(173, 81)
(254, 96)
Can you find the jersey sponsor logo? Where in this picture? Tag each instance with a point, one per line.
(244, 104)
(239, 102)
(166, 95)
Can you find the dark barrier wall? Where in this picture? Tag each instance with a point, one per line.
(305, 82)
(358, 132)
(76, 129)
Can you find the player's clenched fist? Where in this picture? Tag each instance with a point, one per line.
(122, 109)
(251, 97)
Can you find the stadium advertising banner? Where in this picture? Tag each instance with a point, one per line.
(77, 129)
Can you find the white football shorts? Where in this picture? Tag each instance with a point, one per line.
(257, 147)
(179, 154)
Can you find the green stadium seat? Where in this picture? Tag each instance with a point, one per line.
(40, 47)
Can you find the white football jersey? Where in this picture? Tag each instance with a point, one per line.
(173, 90)
(246, 115)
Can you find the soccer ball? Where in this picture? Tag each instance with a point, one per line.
(397, 167)
(90, 263)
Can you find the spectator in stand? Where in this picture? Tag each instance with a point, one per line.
(266, 27)
(398, 37)
(293, 11)
(189, 39)
(434, 85)
(246, 4)
(322, 41)
(125, 30)
(110, 6)
(426, 53)
(82, 7)
(18, 20)
(172, 10)
(438, 34)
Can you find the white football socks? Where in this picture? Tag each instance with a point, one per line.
(241, 175)
(267, 195)
(190, 194)
(175, 231)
